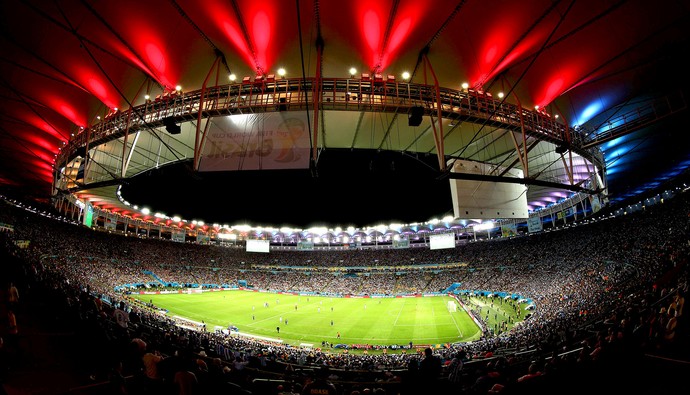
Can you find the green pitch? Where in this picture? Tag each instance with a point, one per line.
(315, 319)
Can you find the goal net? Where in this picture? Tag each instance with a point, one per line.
(452, 307)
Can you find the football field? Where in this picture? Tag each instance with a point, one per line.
(296, 319)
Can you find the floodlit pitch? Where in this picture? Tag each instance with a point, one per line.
(300, 319)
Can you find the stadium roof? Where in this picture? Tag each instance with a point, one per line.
(614, 71)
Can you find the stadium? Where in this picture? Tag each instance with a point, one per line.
(397, 197)
(596, 302)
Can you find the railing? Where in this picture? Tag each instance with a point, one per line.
(635, 119)
(336, 94)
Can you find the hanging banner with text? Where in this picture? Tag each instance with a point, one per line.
(266, 141)
(534, 224)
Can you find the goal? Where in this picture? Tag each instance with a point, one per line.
(452, 307)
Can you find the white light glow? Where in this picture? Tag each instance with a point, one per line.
(484, 226)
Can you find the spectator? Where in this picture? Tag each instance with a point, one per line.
(429, 371)
(455, 369)
(320, 384)
(152, 360)
(12, 297)
(185, 380)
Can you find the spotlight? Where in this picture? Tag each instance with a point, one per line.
(170, 126)
(414, 118)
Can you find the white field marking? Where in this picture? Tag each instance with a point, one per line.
(456, 324)
(435, 325)
(395, 340)
(395, 323)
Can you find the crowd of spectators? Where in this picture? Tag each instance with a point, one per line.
(608, 294)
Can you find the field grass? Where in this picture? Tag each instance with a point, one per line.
(315, 319)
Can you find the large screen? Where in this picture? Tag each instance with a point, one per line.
(445, 240)
(258, 246)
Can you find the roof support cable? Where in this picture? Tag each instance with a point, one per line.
(524, 72)
(112, 83)
(440, 30)
(216, 50)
